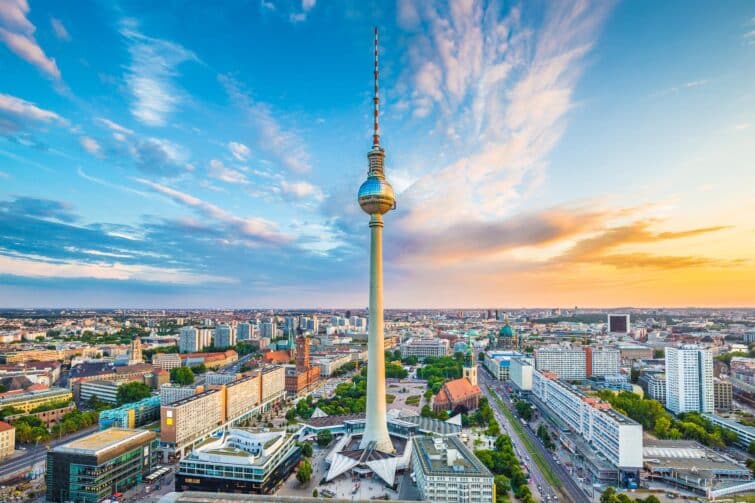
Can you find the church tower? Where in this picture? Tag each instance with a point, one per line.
(470, 365)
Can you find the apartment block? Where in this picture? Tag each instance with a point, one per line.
(689, 379)
(613, 436)
(569, 363)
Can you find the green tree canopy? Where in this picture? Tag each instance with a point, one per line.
(133, 392)
(182, 375)
(324, 437)
(304, 473)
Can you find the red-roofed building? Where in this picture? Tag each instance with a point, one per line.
(456, 393)
(280, 356)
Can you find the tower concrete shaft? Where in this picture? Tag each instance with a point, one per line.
(376, 426)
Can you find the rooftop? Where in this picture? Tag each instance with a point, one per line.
(112, 440)
(448, 457)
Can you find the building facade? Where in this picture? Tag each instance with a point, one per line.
(240, 462)
(92, 468)
(188, 340)
(422, 348)
(29, 400)
(224, 337)
(570, 364)
(498, 363)
(447, 472)
(521, 370)
(612, 435)
(689, 380)
(7, 440)
(722, 395)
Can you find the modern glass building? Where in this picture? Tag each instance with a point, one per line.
(242, 461)
(132, 415)
(99, 465)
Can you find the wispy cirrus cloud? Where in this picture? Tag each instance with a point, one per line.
(240, 151)
(15, 111)
(497, 83)
(60, 30)
(150, 75)
(284, 144)
(255, 230)
(38, 208)
(301, 190)
(220, 171)
(91, 145)
(17, 33)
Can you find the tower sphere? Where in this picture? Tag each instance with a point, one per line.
(376, 196)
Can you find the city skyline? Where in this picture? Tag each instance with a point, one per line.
(590, 154)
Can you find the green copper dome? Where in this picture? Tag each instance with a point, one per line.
(507, 331)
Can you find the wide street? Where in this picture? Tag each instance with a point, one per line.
(571, 489)
(35, 454)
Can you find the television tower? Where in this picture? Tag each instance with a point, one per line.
(376, 198)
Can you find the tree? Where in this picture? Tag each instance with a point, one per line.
(182, 375)
(133, 392)
(524, 409)
(199, 369)
(652, 499)
(751, 448)
(306, 450)
(304, 473)
(324, 437)
(608, 496)
(314, 493)
(426, 411)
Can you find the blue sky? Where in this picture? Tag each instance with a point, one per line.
(591, 153)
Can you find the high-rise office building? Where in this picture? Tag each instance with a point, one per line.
(188, 340)
(224, 336)
(689, 379)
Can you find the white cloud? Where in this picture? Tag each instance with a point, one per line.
(27, 110)
(301, 190)
(307, 4)
(43, 267)
(221, 172)
(254, 229)
(505, 84)
(91, 145)
(17, 33)
(60, 29)
(239, 150)
(113, 126)
(285, 145)
(150, 75)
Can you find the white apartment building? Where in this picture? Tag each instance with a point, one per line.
(604, 361)
(570, 364)
(447, 472)
(106, 391)
(614, 436)
(188, 340)
(205, 338)
(656, 387)
(520, 372)
(689, 379)
(422, 348)
(166, 361)
(329, 364)
(171, 393)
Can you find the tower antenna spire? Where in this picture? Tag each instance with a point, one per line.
(376, 99)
